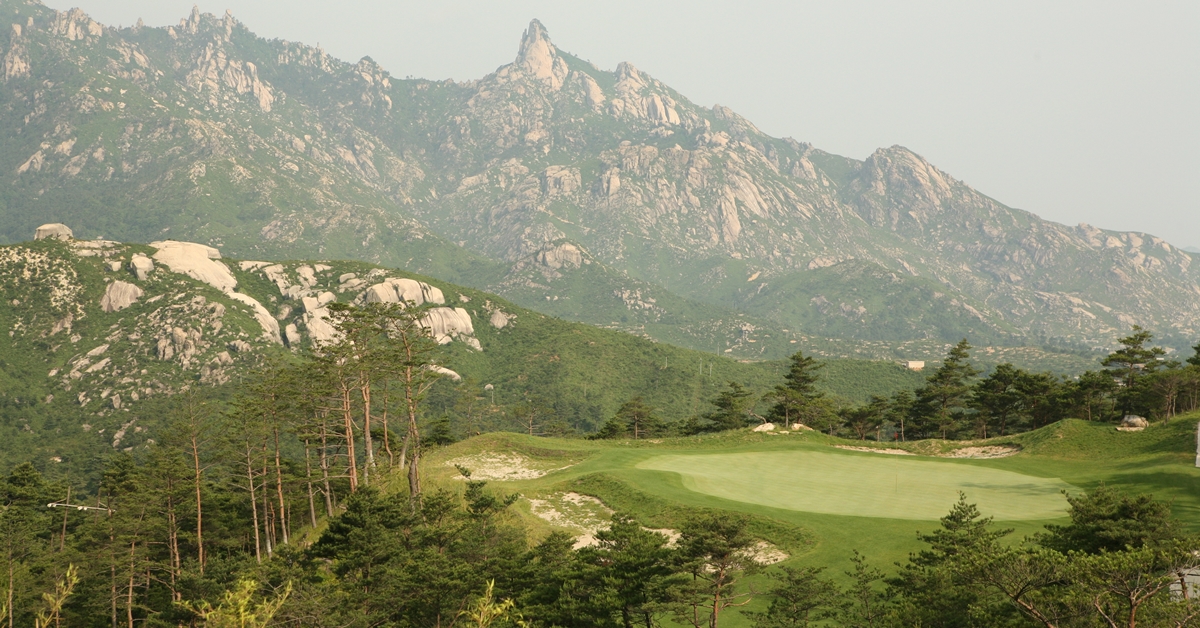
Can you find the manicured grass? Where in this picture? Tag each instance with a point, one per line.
(818, 503)
(865, 484)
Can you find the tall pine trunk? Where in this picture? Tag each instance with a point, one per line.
(279, 489)
(348, 419)
(253, 501)
(312, 503)
(195, 451)
(325, 472)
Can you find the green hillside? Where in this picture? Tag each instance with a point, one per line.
(68, 364)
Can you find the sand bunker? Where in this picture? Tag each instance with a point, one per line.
(990, 451)
(585, 516)
(876, 450)
(500, 467)
(765, 553)
(581, 514)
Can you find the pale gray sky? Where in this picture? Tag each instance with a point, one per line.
(1077, 111)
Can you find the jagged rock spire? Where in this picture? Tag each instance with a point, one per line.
(537, 55)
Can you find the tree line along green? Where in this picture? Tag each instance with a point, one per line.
(955, 402)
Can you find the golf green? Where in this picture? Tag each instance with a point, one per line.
(865, 485)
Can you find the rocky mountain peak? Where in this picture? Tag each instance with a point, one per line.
(538, 57)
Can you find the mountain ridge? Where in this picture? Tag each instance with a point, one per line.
(275, 149)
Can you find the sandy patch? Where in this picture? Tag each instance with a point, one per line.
(581, 514)
(990, 451)
(500, 467)
(765, 553)
(585, 515)
(874, 450)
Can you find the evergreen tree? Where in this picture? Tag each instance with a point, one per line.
(633, 419)
(1109, 520)
(796, 396)
(732, 409)
(714, 551)
(799, 598)
(941, 401)
(862, 604)
(1091, 394)
(998, 399)
(929, 589)
(1042, 397)
(1129, 364)
(635, 568)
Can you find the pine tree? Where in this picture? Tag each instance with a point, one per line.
(1129, 364)
(796, 397)
(942, 400)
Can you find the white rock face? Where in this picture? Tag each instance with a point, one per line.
(445, 371)
(119, 295)
(499, 319)
(565, 255)
(55, 230)
(239, 346)
(446, 323)
(292, 334)
(195, 261)
(539, 58)
(269, 324)
(141, 266)
(307, 276)
(404, 290)
(199, 262)
(320, 331)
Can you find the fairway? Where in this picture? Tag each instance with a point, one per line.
(865, 485)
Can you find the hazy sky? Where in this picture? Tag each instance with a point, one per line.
(1077, 111)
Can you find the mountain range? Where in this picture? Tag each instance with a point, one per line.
(594, 195)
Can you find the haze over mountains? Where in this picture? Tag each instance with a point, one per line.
(602, 196)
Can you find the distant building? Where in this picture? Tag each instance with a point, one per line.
(913, 365)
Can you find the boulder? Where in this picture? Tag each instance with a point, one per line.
(239, 346)
(195, 261)
(403, 290)
(765, 427)
(119, 295)
(292, 335)
(441, 370)
(320, 331)
(498, 319)
(55, 230)
(1133, 420)
(446, 323)
(141, 266)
